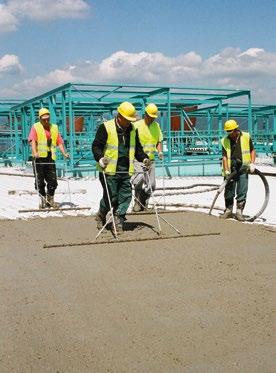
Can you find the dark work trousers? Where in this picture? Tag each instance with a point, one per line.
(120, 193)
(238, 186)
(45, 173)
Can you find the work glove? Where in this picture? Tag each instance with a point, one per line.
(252, 168)
(103, 162)
(227, 174)
(161, 156)
(147, 162)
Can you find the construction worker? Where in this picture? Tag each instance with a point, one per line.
(151, 137)
(237, 151)
(115, 146)
(44, 137)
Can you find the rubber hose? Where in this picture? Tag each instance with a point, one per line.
(230, 177)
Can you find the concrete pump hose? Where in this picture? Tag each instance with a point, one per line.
(267, 193)
(230, 177)
(221, 189)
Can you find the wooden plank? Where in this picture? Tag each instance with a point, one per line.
(55, 209)
(33, 192)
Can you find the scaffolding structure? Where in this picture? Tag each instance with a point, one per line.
(191, 120)
(7, 132)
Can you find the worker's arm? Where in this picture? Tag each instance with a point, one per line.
(252, 166)
(32, 138)
(225, 165)
(99, 143)
(60, 144)
(253, 156)
(252, 151)
(34, 149)
(159, 149)
(159, 144)
(64, 153)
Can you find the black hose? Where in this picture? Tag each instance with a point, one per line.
(267, 192)
(231, 176)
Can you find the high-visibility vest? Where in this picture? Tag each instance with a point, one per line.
(112, 148)
(149, 136)
(42, 146)
(245, 149)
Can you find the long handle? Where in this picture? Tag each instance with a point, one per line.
(110, 206)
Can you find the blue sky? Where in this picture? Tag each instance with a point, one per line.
(218, 43)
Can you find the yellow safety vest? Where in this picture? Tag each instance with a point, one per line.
(112, 148)
(42, 146)
(149, 136)
(245, 149)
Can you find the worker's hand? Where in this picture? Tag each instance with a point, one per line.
(36, 155)
(227, 173)
(161, 156)
(103, 162)
(252, 168)
(66, 155)
(147, 162)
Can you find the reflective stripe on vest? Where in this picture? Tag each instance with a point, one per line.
(245, 149)
(42, 147)
(149, 136)
(111, 149)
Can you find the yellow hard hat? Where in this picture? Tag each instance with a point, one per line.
(152, 110)
(127, 110)
(43, 111)
(230, 125)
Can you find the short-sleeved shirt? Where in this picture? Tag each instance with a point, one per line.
(33, 135)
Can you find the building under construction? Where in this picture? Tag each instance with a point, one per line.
(191, 120)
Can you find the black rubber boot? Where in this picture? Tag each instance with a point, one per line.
(239, 215)
(239, 212)
(51, 203)
(43, 202)
(119, 224)
(100, 219)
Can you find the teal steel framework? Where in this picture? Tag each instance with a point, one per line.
(7, 133)
(191, 119)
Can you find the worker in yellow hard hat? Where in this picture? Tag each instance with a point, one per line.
(237, 150)
(44, 137)
(151, 137)
(115, 146)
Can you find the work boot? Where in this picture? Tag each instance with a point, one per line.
(100, 220)
(119, 223)
(144, 200)
(51, 202)
(43, 202)
(146, 204)
(137, 206)
(227, 214)
(239, 215)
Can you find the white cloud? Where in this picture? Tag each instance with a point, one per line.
(9, 64)
(48, 10)
(12, 11)
(8, 22)
(253, 69)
